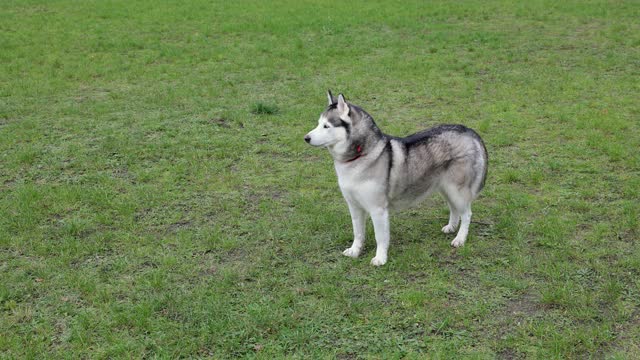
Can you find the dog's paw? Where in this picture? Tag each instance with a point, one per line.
(448, 229)
(457, 242)
(351, 252)
(378, 261)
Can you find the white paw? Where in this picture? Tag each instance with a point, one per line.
(351, 252)
(378, 261)
(448, 229)
(457, 242)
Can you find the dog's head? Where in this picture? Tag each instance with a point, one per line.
(334, 124)
(345, 129)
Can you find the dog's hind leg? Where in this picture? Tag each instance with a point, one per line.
(358, 218)
(460, 204)
(464, 227)
(454, 218)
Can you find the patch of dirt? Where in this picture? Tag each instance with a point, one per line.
(148, 264)
(346, 356)
(224, 123)
(179, 225)
(103, 261)
(522, 306)
(509, 354)
(625, 332)
(141, 214)
(220, 122)
(211, 261)
(9, 182)
(513, 314)
(123, 173)
(253, 197)
(210, 270)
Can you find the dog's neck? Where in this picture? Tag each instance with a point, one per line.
(358, 153)
(354, 153)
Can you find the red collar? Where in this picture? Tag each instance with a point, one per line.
(359, 151)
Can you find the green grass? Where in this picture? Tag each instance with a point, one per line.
(264, 109)
(157, 198)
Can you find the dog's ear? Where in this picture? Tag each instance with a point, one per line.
(343, 107)
(330, 97)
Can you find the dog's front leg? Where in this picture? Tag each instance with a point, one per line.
(380, 219)
(358, 218)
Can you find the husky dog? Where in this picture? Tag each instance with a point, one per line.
(379, 173)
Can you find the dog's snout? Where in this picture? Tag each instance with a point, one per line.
(307, 138)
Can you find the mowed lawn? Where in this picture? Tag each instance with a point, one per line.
(157, 199)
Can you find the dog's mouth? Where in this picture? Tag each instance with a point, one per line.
(319, 145)
(309, 141)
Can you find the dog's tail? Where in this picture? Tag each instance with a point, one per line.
(482, 164)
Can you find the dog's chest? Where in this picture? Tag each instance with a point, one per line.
(366, 189)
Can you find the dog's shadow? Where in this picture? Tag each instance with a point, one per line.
(423, 225)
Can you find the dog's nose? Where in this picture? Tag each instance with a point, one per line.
(307, 138)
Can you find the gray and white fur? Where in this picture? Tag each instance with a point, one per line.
(379, 173)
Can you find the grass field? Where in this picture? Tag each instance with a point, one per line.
(157, 199)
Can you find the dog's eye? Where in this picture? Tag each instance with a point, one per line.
(326, 126)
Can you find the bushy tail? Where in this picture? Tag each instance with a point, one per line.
(484, 164)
